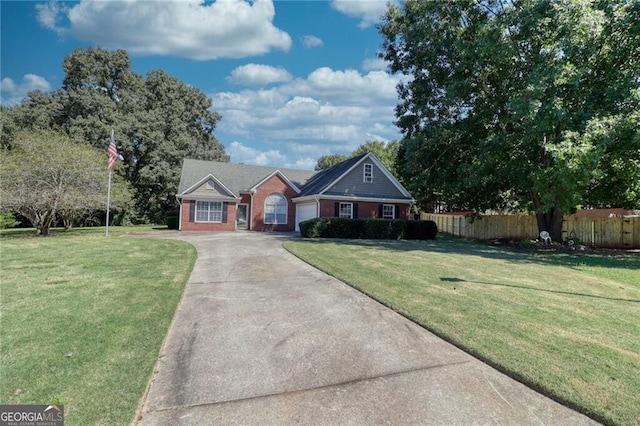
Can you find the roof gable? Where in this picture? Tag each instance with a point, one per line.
(329, 179)
(323, 179)
(209, 184)
(236, 178)
(282, 176)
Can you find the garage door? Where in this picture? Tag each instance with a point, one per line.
(305, 212)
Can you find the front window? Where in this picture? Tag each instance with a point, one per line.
(275, 209)
(367, 176)
(208, 211)
(388, 211)
(346, 210)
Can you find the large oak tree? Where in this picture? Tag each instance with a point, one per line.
(158, 121)
(518, 104)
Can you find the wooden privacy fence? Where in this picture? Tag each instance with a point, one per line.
(618, 232)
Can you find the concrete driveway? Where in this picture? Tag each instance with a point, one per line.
(262, 338)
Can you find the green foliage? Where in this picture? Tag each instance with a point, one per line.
(45, 175)
(318, 227)
(368, 229)
(517, 107)
(327, 161)
(383, 229)
(7, 220)
(386, 152)
(172, 222)
(421, 230)
(615, 180)
(158, 121)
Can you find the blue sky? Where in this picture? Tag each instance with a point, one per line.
(293, 80)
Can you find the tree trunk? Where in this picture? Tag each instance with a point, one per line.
(43, 223)
(68, 223)
(551, 221)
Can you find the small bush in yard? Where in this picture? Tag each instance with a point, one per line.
(172, 222)
(7, 220)
(421, 230)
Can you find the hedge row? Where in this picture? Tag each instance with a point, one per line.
(368, 229)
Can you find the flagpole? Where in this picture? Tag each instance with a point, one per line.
(108, 203)
(113, 158)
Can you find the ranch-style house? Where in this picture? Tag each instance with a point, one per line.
(216, 196)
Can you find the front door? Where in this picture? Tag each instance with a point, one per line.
(241, 216)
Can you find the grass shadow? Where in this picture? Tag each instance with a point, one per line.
(461, 280)
(449, 244)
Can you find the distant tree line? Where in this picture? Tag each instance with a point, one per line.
(385, 151)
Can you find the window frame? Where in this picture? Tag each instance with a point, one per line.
(210, 211)
(275, 213)
(367, 177)
(393, 211)
(340, 214)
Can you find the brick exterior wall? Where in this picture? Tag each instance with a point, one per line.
(255, 210)
(230, 225)
(365, 209)
(274, 185)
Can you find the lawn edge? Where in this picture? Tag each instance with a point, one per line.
(502, 369)
(138, 414)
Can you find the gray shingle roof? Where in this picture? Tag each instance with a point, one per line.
(326, 177)
(236, 177)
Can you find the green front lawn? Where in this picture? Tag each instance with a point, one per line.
(565, 324)
(84, 317)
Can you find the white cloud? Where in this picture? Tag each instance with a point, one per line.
(348, 86)
(303, 164)
(188, 28)
(374, 64)
(368, 11)
(327, 112)
(244, 154)
(48, 14)
(256, 74)
(13, 93)
(241, 153)
(312, 41)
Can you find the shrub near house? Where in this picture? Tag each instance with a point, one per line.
(370, 229)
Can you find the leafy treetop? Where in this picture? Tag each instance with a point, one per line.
(518, 105)
(158, 121)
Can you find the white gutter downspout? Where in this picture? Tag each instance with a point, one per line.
(180, 215)
(317, 206)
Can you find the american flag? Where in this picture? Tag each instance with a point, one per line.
(113, 153)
